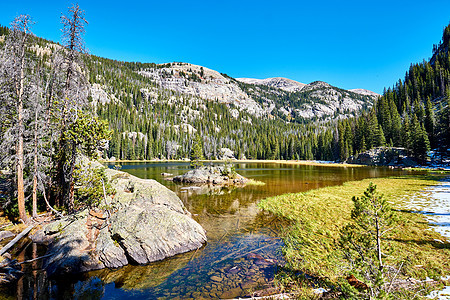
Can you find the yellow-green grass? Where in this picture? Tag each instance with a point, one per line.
(254, 182)
(311, 242)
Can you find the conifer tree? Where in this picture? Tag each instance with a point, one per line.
(197, 152)
(362, 240)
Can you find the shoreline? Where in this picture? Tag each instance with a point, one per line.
(437, 168)
(246, 161)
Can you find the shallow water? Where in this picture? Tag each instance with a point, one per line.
(242, 254)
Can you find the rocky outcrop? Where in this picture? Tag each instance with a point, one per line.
(219, 175)
(383, 156)
(226, 153)
(204, 83)
(143, 222)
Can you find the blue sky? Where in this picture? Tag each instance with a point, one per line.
(350, 44)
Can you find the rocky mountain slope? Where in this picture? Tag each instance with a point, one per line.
(262, 98)
(203, 83)
(271, 97)
(285, 84)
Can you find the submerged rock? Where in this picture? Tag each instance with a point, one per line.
(217, 175)
(144, 222)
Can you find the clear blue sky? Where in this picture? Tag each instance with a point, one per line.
(350, 44)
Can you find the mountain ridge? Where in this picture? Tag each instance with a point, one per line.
(270, 97)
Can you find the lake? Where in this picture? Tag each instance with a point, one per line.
(243, 252)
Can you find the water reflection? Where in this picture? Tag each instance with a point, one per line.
(243, 249)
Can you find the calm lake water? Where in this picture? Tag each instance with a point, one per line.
(242, 254)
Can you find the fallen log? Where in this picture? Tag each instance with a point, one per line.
(16, 239)
(34, 259)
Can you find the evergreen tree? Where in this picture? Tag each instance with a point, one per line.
(197, 153)
(362, 240)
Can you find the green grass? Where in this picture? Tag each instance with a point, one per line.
(318, 215)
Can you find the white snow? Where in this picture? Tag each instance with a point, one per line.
(440, 295)
(435, 205)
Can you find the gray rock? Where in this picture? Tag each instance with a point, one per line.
(6, 234)
(225, 154)
(219, 175)
(147, 222)
(383, 156)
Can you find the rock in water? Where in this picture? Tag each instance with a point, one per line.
(146, 222)
(218, 175)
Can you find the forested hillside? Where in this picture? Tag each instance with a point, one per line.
(413, 114)
(152, 122)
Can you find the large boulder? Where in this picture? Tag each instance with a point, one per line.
(143, 222)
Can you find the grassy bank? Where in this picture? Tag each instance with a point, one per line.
(318, 215)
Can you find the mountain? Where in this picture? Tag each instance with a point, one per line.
(204, 83)
(364, 92)
(285, 84)
(271, 97)
(156, 110)
(295, 101)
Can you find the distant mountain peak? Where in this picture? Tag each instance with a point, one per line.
(364, 92)
(285, 84)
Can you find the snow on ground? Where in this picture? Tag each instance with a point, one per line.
(434, 203)
(440, 295)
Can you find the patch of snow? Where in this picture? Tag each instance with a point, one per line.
(436, 208)
(440, 295)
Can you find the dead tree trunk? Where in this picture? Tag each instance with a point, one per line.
(19, 147)
(35, 162)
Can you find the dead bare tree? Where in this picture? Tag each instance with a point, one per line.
(16, 69)
(171, 148)
(40, 137)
